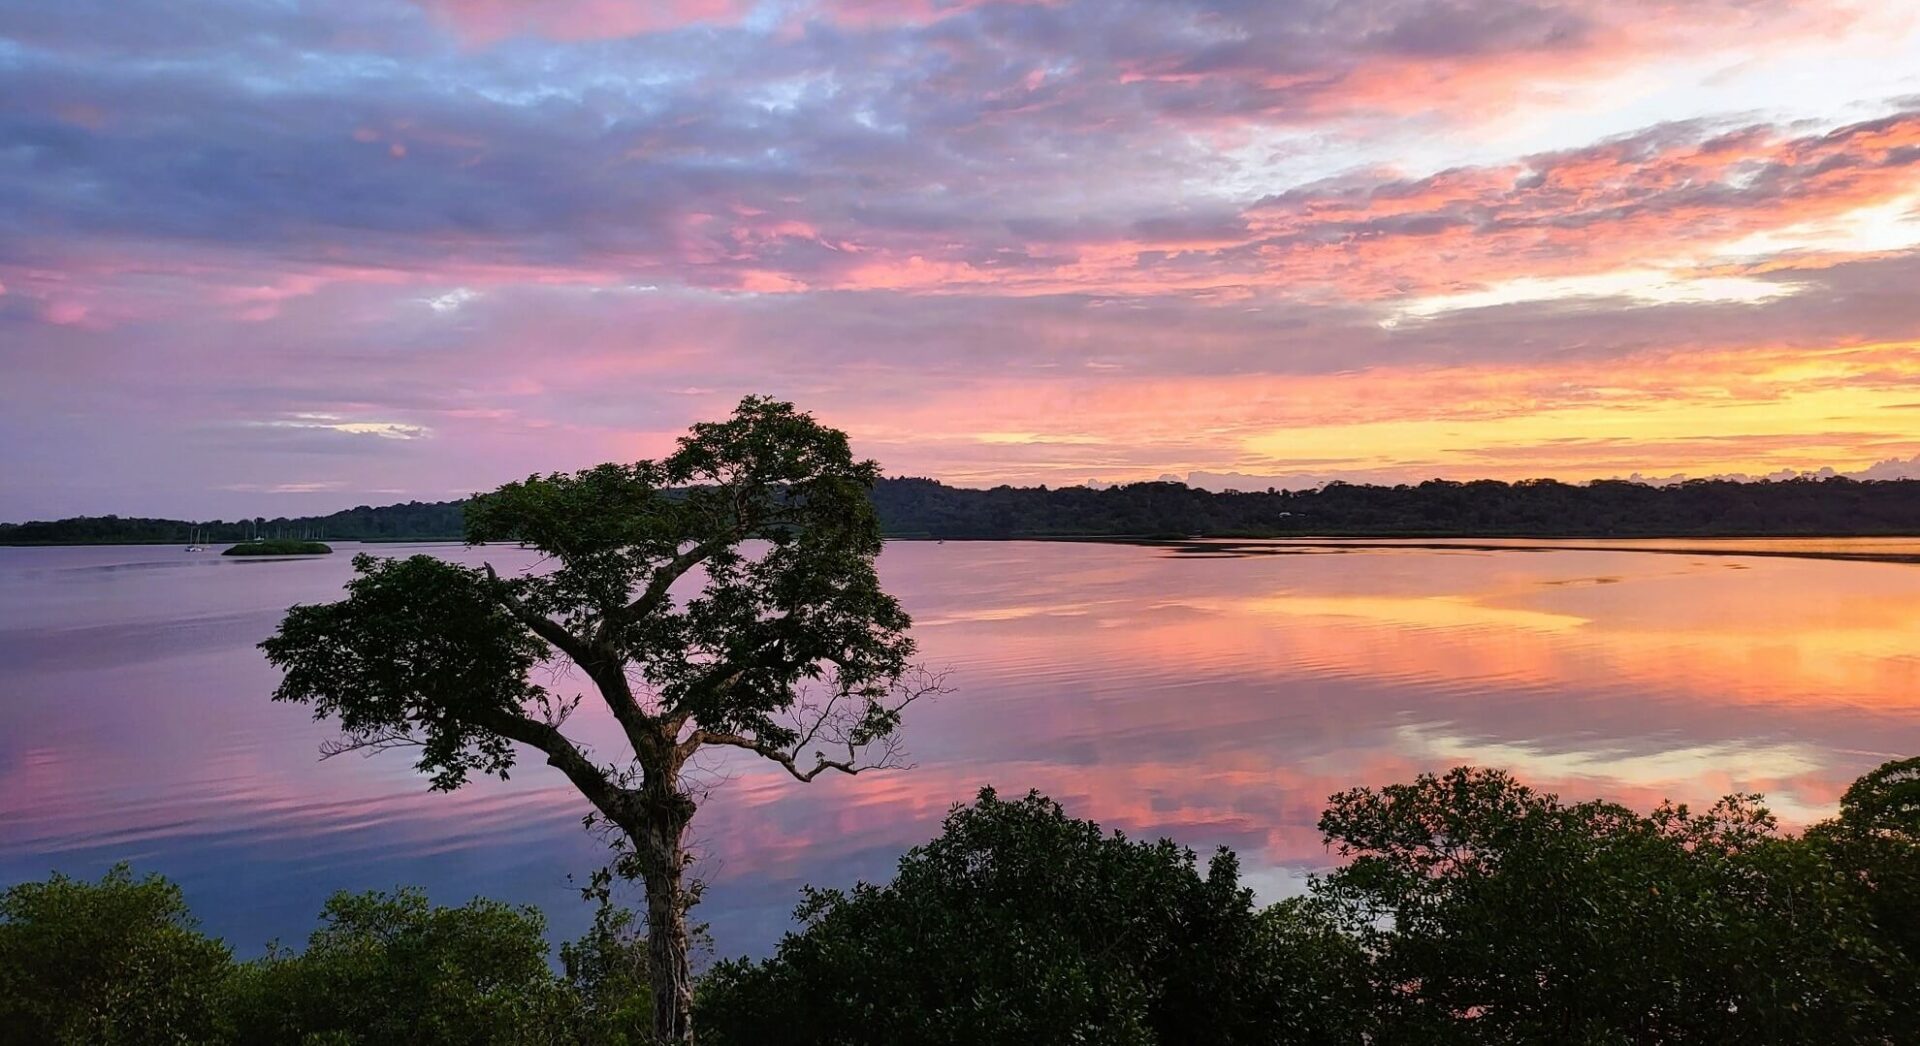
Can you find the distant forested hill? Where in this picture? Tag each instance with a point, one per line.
(415, 519)
(927, 508)
(1481, 508)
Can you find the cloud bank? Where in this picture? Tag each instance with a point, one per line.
(279, 256)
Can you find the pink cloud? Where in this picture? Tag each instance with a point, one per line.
(69, 312)
(483, 22)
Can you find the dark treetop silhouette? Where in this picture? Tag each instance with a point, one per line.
(788, 649)
(1436, 508)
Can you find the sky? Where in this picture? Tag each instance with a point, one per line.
(275, 256)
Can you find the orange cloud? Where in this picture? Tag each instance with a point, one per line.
(1748, 410)
(1685, 203)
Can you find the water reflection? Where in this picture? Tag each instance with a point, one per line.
(1216, 699)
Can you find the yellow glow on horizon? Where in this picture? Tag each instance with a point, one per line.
(1794, 412)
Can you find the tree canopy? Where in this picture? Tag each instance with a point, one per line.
(724, 595)
(1494, 913)
(119, 962)
(1021, 925)
(1469, 908)
(393, 968)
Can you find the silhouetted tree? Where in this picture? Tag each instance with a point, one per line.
(787, 648)
(1498, 914)
(1020, 925)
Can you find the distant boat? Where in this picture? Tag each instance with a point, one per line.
(193, 541)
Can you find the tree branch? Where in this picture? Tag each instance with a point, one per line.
(834, 725)
(655, 594)
(563, 755)
(597, 660)
(379, 741)
(546, 628)
(788, 760)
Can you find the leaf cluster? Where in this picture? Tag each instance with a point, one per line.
(1497, 914)
(417, 654)
(1470, 909)
(719, 586)
(119, 962)
(1022, 925)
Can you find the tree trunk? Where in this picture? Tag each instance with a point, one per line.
(660, 845)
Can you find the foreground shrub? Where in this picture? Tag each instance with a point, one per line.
(1497, 914)
(1021, 925)
(392, 968)
(608, 978)
(1875, 846)
(1471, 909)
(117, 962)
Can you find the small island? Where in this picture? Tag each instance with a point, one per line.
(279, 547)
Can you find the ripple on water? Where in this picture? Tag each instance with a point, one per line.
(1214, 700)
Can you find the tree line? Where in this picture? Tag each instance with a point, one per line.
(915, 507)
(1436, 508)
(1471, 909)
(415, 520)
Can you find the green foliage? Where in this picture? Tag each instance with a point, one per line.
(723, 595)
(279, 547)
(607, 971)
(1021, 925)
(1497, 914)
(766, 619)
(1875, 844)
(1886, 800)
(416, 653)
(1471, 910)
(117, 962)
(425, 652)
(392, 968)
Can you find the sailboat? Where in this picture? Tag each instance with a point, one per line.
(193, 541)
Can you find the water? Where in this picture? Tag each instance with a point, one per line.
(1215, 698)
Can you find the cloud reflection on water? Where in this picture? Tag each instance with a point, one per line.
(1215, 700)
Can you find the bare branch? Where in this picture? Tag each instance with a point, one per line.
(369, 743)
(835, 724)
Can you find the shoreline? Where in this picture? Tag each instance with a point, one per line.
(1239, 547)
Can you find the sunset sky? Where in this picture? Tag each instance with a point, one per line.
(273, 256)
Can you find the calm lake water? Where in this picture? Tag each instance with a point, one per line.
(1215, 699)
